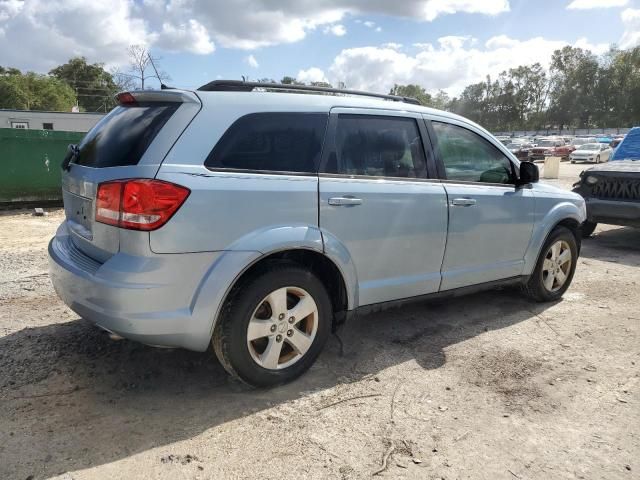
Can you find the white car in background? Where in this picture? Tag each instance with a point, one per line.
(579, 141)
(591, 152)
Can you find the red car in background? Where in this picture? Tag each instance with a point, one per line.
(547, 147)
(562, 151)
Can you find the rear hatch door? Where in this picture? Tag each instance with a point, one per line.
(130, 142)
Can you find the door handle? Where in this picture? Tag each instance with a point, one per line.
(463, 202)
(344, 201)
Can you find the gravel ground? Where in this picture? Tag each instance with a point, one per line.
(489, 386)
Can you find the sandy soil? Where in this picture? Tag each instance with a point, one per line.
(489, 386)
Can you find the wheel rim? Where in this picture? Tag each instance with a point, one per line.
(556, 267)
(282, 328)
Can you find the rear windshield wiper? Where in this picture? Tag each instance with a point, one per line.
(72, 153)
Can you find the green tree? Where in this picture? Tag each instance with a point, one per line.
(31, 91)
(95, 86)
(573, 75)
(441, 101)
(413, 91)
(287, 80)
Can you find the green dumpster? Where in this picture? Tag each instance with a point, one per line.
(30, 163)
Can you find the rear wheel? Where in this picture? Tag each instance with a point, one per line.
(588, 228)
(555, 268)
(273, 326)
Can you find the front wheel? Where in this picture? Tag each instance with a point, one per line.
(555, 268)
(274, 325)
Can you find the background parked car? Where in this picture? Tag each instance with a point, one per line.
(544, 148)
(577, 141)
(612, 191)
(520, 150)
(591, 152)
(562, 151)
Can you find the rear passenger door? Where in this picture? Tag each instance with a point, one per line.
(376, 200)
(490, 219)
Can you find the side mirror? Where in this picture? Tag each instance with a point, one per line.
(529, 173)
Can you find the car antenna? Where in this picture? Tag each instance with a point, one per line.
(162, 85)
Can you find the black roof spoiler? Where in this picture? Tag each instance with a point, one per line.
(241, 86)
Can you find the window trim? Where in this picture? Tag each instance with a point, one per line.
(331, 137)
(272, 172)
(441, 168)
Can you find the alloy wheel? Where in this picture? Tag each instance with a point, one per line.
(556, 266)
(282, 328)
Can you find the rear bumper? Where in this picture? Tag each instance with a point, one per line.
(613, 212)
(148, 299)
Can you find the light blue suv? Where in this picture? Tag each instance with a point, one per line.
(258, 217)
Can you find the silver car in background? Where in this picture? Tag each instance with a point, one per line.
(591, 152)
(256, 218)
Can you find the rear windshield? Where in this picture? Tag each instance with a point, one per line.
(122, 137)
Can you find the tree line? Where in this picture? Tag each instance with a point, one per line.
(578, 90)
(77, 83)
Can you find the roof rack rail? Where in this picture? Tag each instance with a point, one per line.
(241, 86)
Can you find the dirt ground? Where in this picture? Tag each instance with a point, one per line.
(489, 386)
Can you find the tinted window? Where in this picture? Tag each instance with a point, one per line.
(469, 157)
(378, 146)
(285, 142)
(122, 137)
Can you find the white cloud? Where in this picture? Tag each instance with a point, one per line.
(338, 30)
(631, 21)
(189, 37)
(453, 63)
(251, 61)
(50, 32)
(40, 34)
(590, 4)
(312, 74)
(392, 45)
(369, 24)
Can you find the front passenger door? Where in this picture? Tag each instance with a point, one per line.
(490, 219)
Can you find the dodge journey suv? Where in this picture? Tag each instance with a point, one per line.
(258, 217)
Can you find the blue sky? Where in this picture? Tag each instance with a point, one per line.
(369, 44)
(526, 19)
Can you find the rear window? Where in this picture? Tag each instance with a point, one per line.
(122, 137)
(275, 142)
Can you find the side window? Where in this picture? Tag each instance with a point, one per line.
(379, 146)
(279, 142)
(469, 157)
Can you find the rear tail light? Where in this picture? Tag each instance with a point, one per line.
(125, 98)
(138, 204)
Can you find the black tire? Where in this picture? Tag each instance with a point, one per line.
(587, 228)
(230, 334)
(535, 288)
